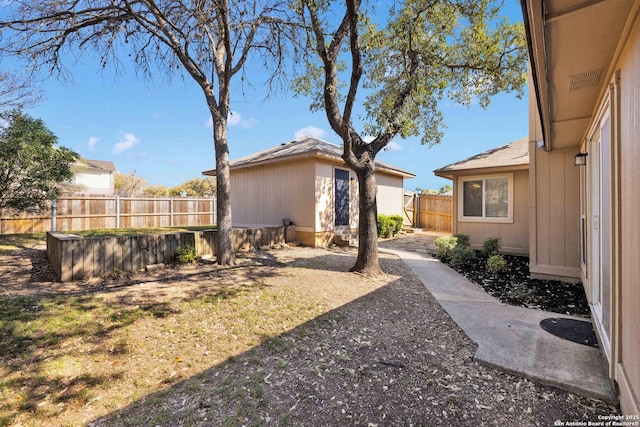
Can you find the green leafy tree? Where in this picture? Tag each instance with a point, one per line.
(197, 187)
(207, 41)
(156, 191)
(445, 189)
(400, 59)
(33, 169)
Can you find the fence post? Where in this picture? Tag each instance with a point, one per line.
(54, 216)
(117, 211)
(213, 212)
(171, 212)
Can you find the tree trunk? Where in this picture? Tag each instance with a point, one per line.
(224, 242)
(367, 261)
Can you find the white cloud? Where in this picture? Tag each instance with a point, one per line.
(234, 120)
(127, 141)
(310, 131)
(93, 142)
(393, 146)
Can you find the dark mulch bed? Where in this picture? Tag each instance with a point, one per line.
(515, 287)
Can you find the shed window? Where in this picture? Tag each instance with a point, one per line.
(487, 199)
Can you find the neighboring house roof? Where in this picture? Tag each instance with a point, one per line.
(96, 165)
(514, 155)
(306, 147)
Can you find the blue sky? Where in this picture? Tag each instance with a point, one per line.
(162, 129)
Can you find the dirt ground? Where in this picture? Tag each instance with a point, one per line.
(349, 351)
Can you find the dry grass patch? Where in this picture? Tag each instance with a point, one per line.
(287, 337)
(69, 359)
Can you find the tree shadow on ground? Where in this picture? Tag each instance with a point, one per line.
(390, 357)
(43, 332)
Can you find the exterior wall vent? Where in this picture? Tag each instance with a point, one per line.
(585, 80)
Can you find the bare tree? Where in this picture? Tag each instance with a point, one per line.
(16, 92)
(210, 41)
(404, 59)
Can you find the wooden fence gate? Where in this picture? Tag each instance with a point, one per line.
(428, 212)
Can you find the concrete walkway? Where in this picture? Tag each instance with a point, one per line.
(510, 338)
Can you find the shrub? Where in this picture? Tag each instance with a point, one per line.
(496, 264)
(491, 246)
(389, 225)
(384, 226)
(463, 240)
(398, 222)
(445, 245)
(462, 256)
(186, 254)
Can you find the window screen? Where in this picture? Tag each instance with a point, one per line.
(497, 198)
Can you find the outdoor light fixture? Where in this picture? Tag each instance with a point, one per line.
(580, 159)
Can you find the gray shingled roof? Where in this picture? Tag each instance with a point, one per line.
(515, 153)
(99, 165)
(300, 148)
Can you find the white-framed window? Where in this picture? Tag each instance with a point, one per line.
(486, 198)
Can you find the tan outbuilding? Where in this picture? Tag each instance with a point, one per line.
(584, 154)
(490, 196)
(305, 181)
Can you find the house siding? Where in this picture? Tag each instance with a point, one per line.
(94, 182)
(610, 181)
(265, 195)
(390, 194)
(324, 196)
(628, 363)
(554, 213)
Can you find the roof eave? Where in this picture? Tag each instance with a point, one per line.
(450, 174)
(533, 17)
(318, 154)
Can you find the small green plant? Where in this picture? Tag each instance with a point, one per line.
(445, 245)
(463, 240)
(520, 292)
(186, 254)
(398, 222)
(389, 225)
(496, 264)
(384, 223)
(462, 256)
(491, 246)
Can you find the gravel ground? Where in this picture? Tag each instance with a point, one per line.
(381, 353)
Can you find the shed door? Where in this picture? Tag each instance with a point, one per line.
(341, 197)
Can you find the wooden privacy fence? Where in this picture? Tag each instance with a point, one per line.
(429, 212)
(100, 212)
